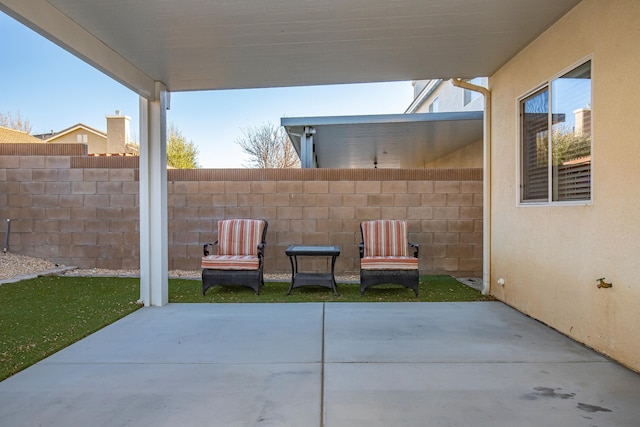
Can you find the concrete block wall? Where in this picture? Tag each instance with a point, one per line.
(71, 216)
(84, 211)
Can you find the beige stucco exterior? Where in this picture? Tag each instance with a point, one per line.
(450, 99)
(96, 143)
(469, 156)
(114, 141)
(551, 256)
(117, 133)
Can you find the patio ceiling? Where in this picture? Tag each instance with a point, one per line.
(386, 141)
(221, 44)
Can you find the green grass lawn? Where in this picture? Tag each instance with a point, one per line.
(41, 316)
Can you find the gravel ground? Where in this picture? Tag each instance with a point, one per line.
(15, 267)
(18, 267)
(12, 266)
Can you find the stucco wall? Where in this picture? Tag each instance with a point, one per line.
(551, 256)
(450, 97)
(84, 211)
(469, 156)
(117, 133)
(95, 143)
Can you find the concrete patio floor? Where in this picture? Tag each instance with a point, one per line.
(334, 364)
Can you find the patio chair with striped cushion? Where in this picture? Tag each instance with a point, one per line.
(385, 257)
(240, 258)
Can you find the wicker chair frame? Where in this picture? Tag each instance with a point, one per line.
(253, 279)
(407, 278)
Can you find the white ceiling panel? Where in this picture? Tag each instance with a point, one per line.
(224, 44)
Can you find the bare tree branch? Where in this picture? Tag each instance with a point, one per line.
(268, 146)
(16, 123)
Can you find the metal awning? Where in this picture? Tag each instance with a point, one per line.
(384, 141)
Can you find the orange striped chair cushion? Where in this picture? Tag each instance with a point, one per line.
(389, 263)
(231, 262)
(385, 238)
(239, 236)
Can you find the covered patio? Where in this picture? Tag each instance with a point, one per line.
(315, 364)
(408, 364)
(155, 48)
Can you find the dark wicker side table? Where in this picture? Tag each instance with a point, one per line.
(299, 279)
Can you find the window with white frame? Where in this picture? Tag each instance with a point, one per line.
(555, 147)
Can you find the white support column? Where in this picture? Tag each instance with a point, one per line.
(306, 148)
(154, 247)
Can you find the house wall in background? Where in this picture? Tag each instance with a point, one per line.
(118, 131)
(451, 99)
(95, 143)
(469, 156)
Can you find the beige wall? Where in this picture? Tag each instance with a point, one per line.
(117, 133)
(95, 143)
(451, 98)
(469, 156)
(551, 256)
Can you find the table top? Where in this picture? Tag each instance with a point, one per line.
(312, 250)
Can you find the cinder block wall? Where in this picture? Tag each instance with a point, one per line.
(84, 211)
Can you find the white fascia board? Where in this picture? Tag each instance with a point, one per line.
(46, 20)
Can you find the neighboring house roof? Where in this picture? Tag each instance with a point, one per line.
(12, 136)
(49, 137)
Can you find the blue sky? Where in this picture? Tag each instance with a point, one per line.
(54, 90)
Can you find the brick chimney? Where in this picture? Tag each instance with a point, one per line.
(117, 132)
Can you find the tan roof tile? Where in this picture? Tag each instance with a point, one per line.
(15, 136)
